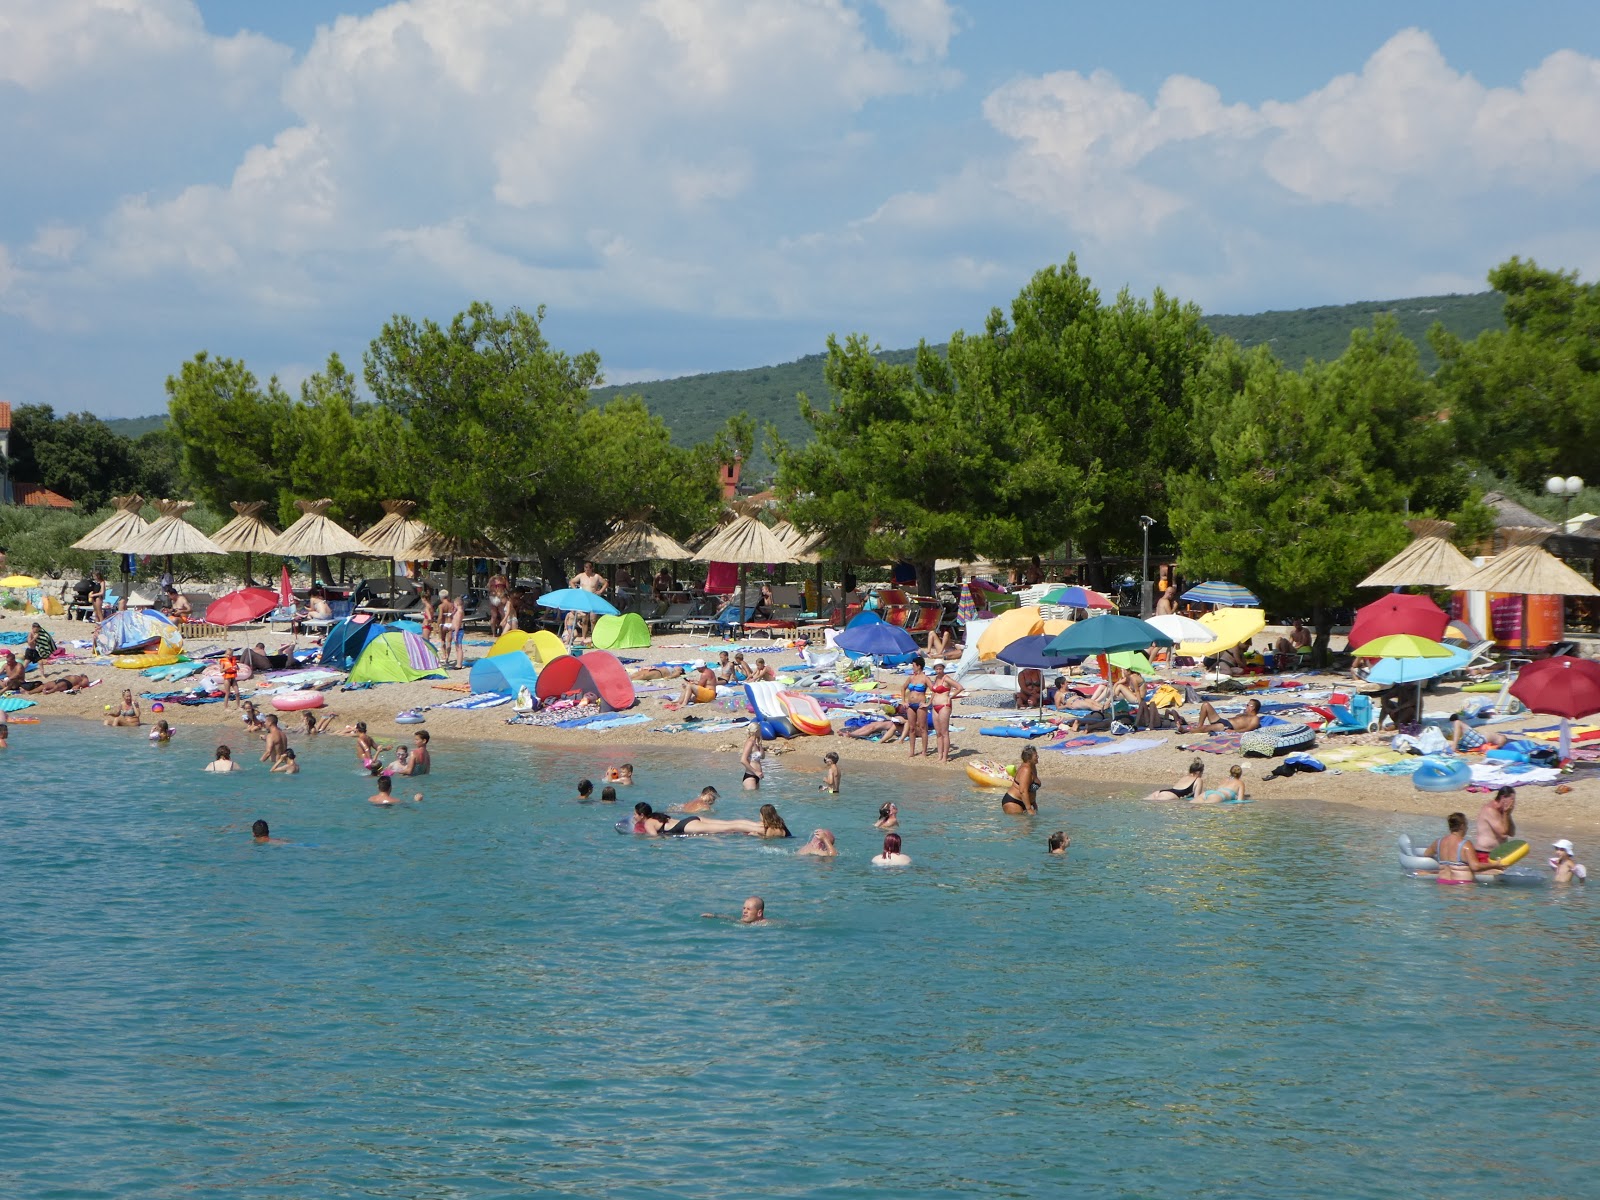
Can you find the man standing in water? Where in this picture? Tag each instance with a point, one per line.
(1495, 823)
(589, 580)
(277, 740)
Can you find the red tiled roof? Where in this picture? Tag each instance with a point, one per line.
(5, 415)
(33, 495)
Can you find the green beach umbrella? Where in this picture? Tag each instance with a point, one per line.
(1402, 645)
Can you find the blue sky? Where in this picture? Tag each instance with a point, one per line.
(697, 184)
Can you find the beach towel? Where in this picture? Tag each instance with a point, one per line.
(1017, 731)
(1217, 743)
(613, 721)
(1082, 741)
(1127, 745)
(481, 700)
(12, 704)
(1491, 776)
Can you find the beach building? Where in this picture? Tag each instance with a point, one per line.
(30, 495)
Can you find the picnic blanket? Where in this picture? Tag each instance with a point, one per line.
(478, 700)
(1491, 776)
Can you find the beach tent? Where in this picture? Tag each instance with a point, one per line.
(125, 632)
(593, 671)
(504, 673)
(544, 646)
(627, 632)
(514, 642)
(396, 658)
(345, 640)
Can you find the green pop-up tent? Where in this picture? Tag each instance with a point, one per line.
(396, 658)
(626, 632)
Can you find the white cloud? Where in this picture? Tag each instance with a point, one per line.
(925, 26)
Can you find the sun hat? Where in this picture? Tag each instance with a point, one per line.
(1564, 844)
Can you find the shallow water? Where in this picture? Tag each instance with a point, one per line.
(493, 994)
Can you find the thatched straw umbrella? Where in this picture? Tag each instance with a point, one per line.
(395, 534)
(1429, 561)
(247, 534)
(638, 541)
(1527, 570)
(314, 535)
(170, 535)
(745, 541)
(433, 545)
(119, 527)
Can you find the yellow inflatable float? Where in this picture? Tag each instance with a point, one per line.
(985, 772)
(164, 657)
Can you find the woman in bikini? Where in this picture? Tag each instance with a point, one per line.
(944, 689)
(1231, 792)
(751, 758)
(1458, 862)
(1023, 794)
(914, 695)
(127, 714)
(1186, 788)
(659, 824)
(429, 616)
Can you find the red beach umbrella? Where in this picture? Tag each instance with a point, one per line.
(1399, 612)
(1561, 686)
(286, 593)
(238, 607)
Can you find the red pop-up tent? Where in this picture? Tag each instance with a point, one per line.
(592, 671)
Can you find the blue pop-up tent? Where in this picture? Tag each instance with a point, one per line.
(504, 674)
(345, 640)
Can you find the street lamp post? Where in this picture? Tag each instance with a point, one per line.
(1566, 489)
(1145, 606)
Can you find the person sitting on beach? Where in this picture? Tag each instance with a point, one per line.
(888, 816)
(1057, 692)
(1030, 687)
(70, 684)
(223, 763)
(277, 740)
(161, 733)
(830, 776)
(892, 855)
(178, 607)
(1209, 721)
(287, 764)
(1566, 867)
(125, 715)
(821, 845)
(1130, 688)
(739, 669)
(263, 835)
(1464, 738)
(1023, 794)
(1058, 843)
(941, 644)
(1231, 792)
(703, 802)
(14, 678)
(1186, 788)
(1495, 822)
(763, 673)
(420, 762)
(724, 667)
(1231, 661)
(699, 684)
(621, 776)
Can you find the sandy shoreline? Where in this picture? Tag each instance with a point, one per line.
(1540, 810)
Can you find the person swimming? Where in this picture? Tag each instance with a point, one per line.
(608, 795)
(892, 855)
(821, 845)
(1058, 842)
(585, 791)
(621, 776)
(161, 733)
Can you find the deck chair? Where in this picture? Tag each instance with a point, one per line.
(675, 615)
(1356, 717)
(929, 616)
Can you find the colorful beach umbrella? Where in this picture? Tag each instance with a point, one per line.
(1073, 596)
(578, 600)
(1418, 670)
(1132, 660)
(1399, 612)
(1007, 628)
(1402, 645)
(965, 608)
(1028, 652)
(1561, 686)
(1215, 591)
(247, 604)
(19, 581)
(1105, 634)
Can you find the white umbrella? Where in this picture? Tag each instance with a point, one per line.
(1183, 629)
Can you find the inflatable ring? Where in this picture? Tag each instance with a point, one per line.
(1439, 774)
(1411, 860)
(985, 772)
(139, 662)
(295, 701)
(410, 717)
(1271, 740)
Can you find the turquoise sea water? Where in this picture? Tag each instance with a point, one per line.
(494, 994)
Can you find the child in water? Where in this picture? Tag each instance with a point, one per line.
(161, 734)
(830, 777)
(286, 765)
(1566, 867)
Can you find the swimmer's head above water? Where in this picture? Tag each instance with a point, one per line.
(755, 909)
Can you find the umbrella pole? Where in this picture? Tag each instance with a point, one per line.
(741, 601)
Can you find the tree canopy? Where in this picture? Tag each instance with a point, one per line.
(81, 458)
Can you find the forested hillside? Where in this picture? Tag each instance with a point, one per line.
(696, 405)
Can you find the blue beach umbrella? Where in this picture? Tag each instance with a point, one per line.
(1029, 652)
(1214, 591)
(1416, 670)
(578, 600)
(1105, 635)
(879, 639)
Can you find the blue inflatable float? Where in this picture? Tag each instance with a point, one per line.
(1439, 774)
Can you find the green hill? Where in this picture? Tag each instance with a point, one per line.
(695, 405)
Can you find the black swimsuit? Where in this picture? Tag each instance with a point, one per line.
(678, 828)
